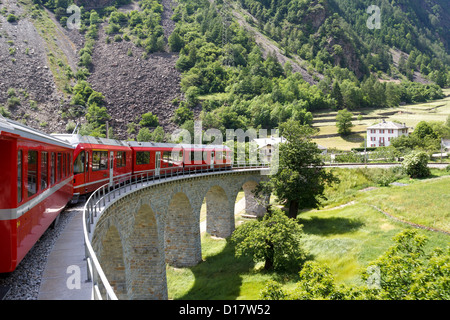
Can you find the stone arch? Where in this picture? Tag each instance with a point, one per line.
(219, 213)
(182, 233)
(112, 261)
(254, 206)
(146, 256)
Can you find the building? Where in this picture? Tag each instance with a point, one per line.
(381, 134)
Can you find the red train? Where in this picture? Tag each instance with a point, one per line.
(41, 173)
(35, 185)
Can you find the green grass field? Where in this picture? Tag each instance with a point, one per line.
(347, 234)
(411, 115)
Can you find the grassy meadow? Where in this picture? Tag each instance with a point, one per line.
(437, 110)
(346, 234)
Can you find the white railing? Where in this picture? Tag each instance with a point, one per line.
(108, 193)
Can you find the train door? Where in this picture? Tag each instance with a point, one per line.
(211, 160)
(87, 174)
(157, 163)
(111, 168)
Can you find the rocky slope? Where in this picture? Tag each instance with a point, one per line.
(36, 52)
(30, 51)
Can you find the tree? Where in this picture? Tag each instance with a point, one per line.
(336, 94)
(415, 164)
(274, 240)
(144, 135)
(182, 114)
(149, 120)
(344, 122)
(300, 179)
(423, 129)
(175, 42)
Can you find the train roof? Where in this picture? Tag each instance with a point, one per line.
(173, 145)
(152, 144)
(16, 128)
(75, 139)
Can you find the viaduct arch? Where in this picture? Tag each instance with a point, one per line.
(136, 235)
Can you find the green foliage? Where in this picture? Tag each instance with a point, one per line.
(175, 42)
(274, 240)
(403, 272)
(408, 273)
(144, 135)
(416, 164)
(158, 135)
(300, 178)
(149, 120)
(182, 114)
(11, 18)
(344, 122)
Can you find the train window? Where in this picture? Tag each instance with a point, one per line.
(79, 163)
(63, 175)
(58, 167)
(19, 176)
(44, 170)
(196, 157)
(32, 172)
(177, 155)
(121, 158)
(99, 160)
(142, 157)
(52, 169)
(167, 158)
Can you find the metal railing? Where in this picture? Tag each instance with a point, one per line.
(109, 192)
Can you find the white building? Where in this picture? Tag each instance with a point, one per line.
(381, 134)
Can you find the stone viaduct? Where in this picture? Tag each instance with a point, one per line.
(140, 232)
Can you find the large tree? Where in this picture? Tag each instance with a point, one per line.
(300, 179)
(344, 122)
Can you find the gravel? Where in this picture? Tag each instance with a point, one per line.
(25, 281)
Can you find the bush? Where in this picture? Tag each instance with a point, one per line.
(13, 102)
(12, 18)
(416, 164)
(149, 120)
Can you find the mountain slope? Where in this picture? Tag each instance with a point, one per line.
(232, 64)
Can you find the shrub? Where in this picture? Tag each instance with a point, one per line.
(416, 164)
(13, 101)
(149, 120)
(12, 18)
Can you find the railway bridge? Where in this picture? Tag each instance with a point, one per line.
(133, 231)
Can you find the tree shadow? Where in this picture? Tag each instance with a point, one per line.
(329, 226)
(219, 276)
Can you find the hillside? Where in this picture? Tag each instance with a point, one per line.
(233, 64)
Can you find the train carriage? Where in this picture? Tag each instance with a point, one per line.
(98, 161)
(35, 186)
(206, 157)
(156, 159)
